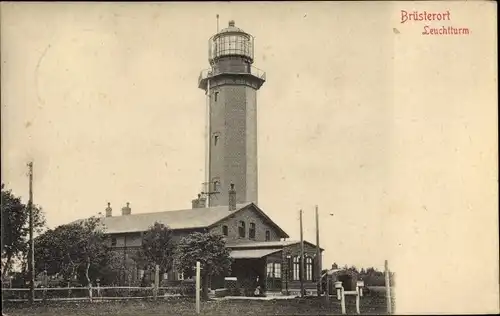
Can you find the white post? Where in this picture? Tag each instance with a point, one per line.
(388, 289)
(358, 290)
(90, 292)
(98, 289)
(157, 280)
(342, 301)
(198, 287)
(338, 287)
(360, 285)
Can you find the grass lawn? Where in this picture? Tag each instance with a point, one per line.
(180, 307)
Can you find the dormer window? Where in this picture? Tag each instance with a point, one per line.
(242, 229)
(225, 230)
(268, 235)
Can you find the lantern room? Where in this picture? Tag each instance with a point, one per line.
(231, 41)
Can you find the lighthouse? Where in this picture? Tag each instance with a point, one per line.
(231, 84)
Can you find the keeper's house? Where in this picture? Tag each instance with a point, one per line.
(260, 248)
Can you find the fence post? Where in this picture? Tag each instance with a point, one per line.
(157, 281)
(358, 290)
(98, 288)
(338, 288)
(342, 300)
(90, 291)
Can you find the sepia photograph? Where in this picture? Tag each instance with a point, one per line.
(249, 158)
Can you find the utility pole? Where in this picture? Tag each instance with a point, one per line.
(388, 288)
(31, 258)
(318, 256)
(301, 257)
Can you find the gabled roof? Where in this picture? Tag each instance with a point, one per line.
(177, 220)
(261, 213)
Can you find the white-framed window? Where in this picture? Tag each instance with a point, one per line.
(309, 269)
(269, 269)
(274, 270)
(277, 270)
(165, 276)
(296, 268)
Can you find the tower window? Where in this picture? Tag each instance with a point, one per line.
(216, 94)
(216, 138)
(251, 231)
(216, 185)
(242, 229)
(225, 230)
(268, 235)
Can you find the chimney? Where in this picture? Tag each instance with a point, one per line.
(232, 198)
(199, 202)
(126, 210)
(109, 210)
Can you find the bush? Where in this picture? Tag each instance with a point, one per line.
(188, 288)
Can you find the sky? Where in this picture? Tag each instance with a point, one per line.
(392, 132)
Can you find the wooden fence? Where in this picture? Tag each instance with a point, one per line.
(96, 293)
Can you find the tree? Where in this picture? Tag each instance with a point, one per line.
(158, 247)
(77, 251)
(15, 228)
(210, 250)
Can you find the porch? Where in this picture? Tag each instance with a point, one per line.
(275, 271)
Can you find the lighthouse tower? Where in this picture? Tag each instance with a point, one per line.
(231, 85)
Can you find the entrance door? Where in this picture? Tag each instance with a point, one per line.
(273, 273)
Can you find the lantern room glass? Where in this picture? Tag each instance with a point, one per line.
(230, 44)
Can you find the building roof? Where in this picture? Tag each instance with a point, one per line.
(252, 253)
(266, 244)
(180, 219)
